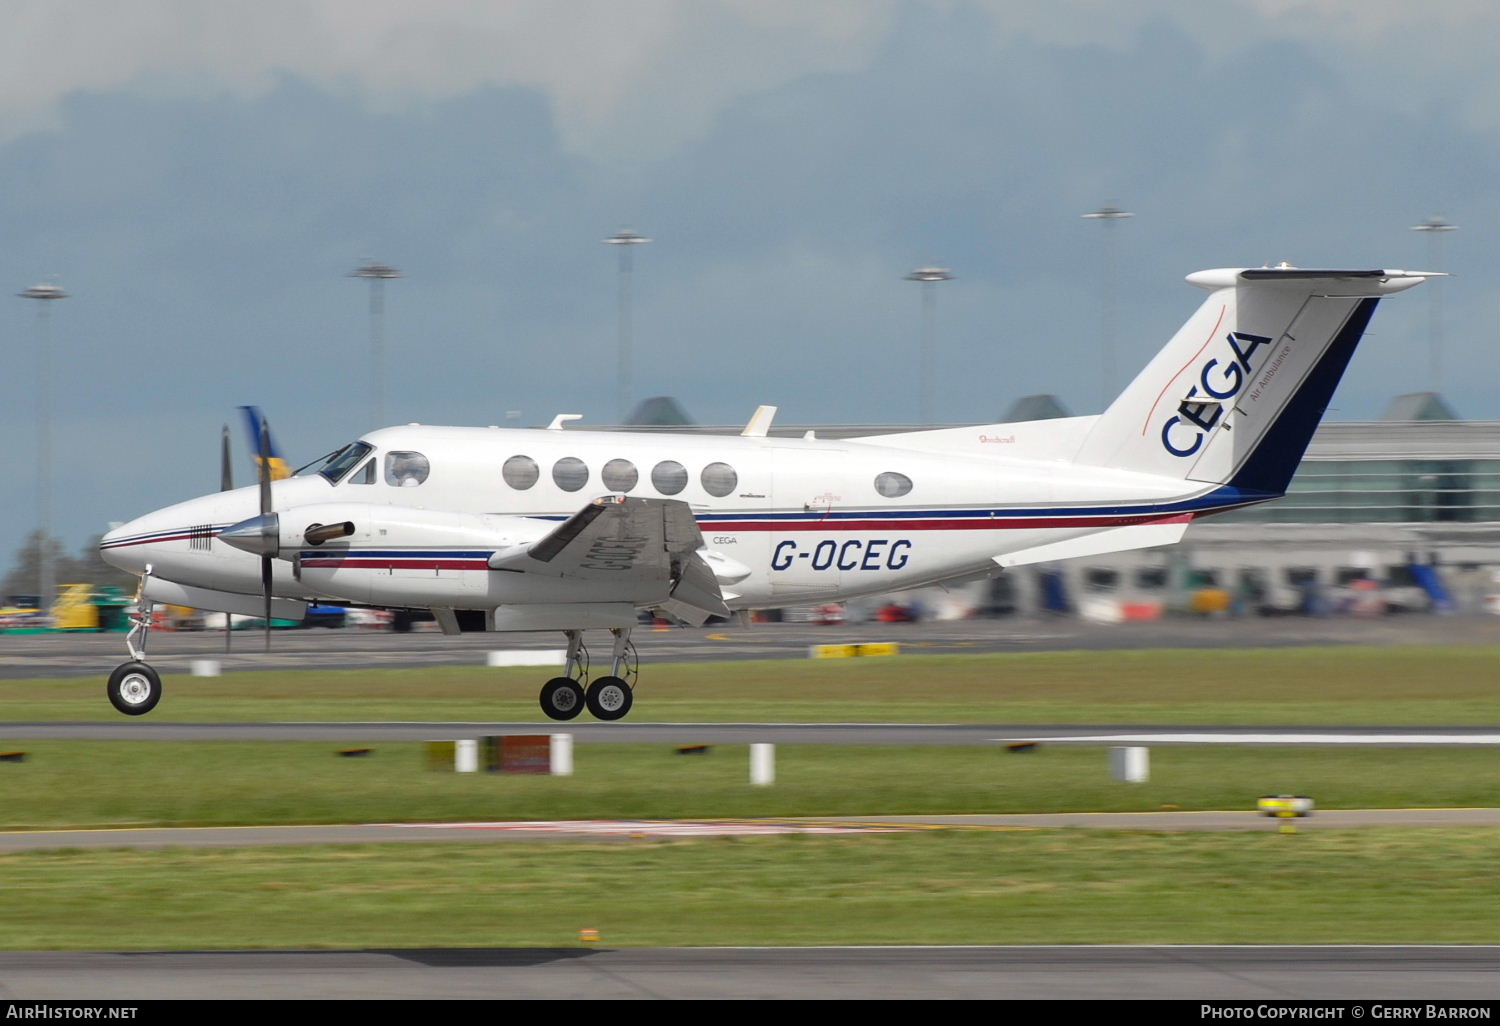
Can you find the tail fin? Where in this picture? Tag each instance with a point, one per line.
(1234, 397)
(253, 421)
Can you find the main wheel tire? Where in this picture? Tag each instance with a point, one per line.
(609, 698)
(134, 688)
(562, 698)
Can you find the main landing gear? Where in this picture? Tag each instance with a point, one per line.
(608, 698)
(134, 688)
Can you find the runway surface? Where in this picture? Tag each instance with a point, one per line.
(1275, 973)
(630, 830)
(594, 732)
(83, 655)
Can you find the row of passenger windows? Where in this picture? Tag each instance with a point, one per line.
(668, 477)
(571, 474)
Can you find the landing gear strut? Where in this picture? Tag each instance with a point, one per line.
(134, 688)
(608, 698)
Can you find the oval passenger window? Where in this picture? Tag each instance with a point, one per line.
(719, 479)
(406, 469)
(570, 473)
(620, 475)
(669, 477)
(520, 472)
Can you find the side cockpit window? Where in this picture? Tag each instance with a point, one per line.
(343, 461)
(406, 469)
(365, 474)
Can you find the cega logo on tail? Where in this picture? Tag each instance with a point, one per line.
(1183, 434)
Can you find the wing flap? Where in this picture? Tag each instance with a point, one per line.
(611, 538)
(652, 543)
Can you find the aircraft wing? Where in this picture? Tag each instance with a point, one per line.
(626, 539)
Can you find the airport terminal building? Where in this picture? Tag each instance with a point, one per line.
(1410, 505)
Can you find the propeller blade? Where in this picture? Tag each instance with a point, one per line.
(264, 469)
(265, 583)
(226, 472)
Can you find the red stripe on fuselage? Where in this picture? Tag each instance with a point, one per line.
(967, 524)
(394, 564)
(154, 541)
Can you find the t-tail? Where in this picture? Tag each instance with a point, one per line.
(1234, 397)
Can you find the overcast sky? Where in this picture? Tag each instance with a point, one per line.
(201, 177)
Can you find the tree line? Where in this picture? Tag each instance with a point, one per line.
(88, 567)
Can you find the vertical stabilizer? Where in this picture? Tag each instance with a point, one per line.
(1234, 397)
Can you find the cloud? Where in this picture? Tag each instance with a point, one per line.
(643, 74)
(630, 81)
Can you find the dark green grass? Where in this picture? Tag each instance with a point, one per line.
(1414, 685)
(65, 784)
(1369, 886)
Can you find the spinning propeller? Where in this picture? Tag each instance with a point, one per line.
(261, 534)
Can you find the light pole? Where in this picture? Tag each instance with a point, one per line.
(626, 240)
(1435, 227)
(928, 277)
(1108, 215)
(377, 275)
(46, 585)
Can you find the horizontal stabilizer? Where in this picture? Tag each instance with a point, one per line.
(1117, 539)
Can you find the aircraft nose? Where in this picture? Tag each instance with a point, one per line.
(125, 547)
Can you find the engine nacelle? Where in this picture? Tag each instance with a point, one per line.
(344, 526)
(399, 555)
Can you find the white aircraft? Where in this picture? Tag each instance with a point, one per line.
(507, 530)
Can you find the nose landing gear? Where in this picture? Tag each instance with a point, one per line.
(608, 698)
(134, 688)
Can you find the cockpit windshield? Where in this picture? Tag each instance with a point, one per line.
(343, 461)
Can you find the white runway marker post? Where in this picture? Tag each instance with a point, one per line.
(466, 756)
(562, 755)
(762, 765)
(1130, 764)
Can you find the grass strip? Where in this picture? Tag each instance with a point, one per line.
(74, 784)
(1369, 886)
(1344, 685)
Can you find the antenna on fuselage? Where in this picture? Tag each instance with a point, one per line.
(561, 419)
(760, 422)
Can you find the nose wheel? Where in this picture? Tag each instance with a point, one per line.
(134, 688)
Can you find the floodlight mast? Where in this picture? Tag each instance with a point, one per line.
(625, 240)
(1435, 227)
(45, 294)
(1108, 215)
(928, 277)
(377, 275)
